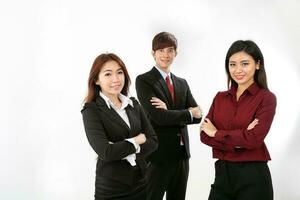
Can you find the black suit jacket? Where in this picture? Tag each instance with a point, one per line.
(104, 126)
(169, 124)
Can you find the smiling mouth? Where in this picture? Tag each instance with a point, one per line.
(115, 86)
(239, 77)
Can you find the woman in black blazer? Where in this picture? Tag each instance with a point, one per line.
(118, 131)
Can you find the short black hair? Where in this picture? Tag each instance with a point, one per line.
(163, 40)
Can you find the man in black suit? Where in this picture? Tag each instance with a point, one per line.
(170, 106)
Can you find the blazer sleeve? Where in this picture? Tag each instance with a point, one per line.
(159, 116)
(211, 141)
(96, 135)
(191, 102)
(151, 139)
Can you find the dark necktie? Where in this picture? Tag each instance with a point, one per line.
(170, 86)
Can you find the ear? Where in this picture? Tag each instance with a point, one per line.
(257, 65)
(97, 82)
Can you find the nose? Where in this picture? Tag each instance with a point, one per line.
(239, 68)
(115, 78)
(165, 53)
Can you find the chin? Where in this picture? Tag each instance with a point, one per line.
(165, 66)
(239, 81)
(115, 92)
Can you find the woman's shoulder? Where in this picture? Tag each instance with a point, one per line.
(268, 95)
(88, 106)
(221, 94)
(135, 102)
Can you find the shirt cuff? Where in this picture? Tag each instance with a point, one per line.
(220, 136)
(191, 115)
(131, 159)
(136, 146)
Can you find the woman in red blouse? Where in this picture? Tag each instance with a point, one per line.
(237, 123)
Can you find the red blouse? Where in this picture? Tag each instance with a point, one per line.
(233, 142)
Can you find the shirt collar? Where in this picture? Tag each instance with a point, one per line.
(124, 99)
(252, 89)
(162, 73)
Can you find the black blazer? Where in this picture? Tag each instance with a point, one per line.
(168, 124)
(103, 125)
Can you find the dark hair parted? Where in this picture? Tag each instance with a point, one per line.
(93, 89)
(163, 40)
(253, 50)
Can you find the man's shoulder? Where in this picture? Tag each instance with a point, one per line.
(146, 76)
(179, 79)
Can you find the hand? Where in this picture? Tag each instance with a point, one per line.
(252, 124)
(158, 103)
(140, 139)
(208, 127)
(196, 112)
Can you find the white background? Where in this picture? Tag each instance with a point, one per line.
(47, 48)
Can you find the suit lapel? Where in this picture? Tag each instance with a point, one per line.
(111, 113)
(163, 85)
(133, 120)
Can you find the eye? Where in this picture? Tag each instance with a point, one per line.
(170, 50)
(231, 64)
(107, 74)
(161, 50)
(245, 64)
(120, 72)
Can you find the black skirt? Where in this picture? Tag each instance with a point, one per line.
(110, 189)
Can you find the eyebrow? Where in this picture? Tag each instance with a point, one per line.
(109, 70)
(241, 61)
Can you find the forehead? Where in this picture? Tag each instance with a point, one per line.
(240, 56)
(167, 48)
(110, 66)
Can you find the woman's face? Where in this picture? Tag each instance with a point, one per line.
(242, 68)
(111, 79)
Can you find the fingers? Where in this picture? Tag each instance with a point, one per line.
(158, 103)
(205, 123)
(252, 124)
(162, 107)
(154, 103)
(202, 127)
(207, 120)
(155, 99)
(140, 139)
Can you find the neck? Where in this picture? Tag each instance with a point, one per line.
(242, 87)
(166, 70)
(114, 98)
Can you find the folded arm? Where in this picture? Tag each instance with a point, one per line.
(96, 135)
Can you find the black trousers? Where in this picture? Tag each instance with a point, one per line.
(241, 181)
(110, 189)
(168, 177)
